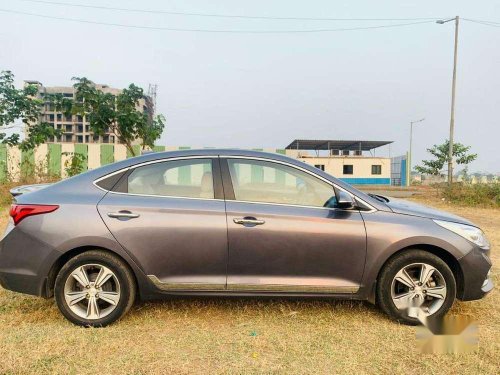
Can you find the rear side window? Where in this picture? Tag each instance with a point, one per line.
(191, 178)
(109, 182)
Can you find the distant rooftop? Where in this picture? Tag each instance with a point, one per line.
(331, 144)
(98, 85)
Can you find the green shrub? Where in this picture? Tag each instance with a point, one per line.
(5, 196)
(473, 195)
(75, 164)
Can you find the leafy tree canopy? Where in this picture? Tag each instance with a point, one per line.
(119, 114)
(21, 104)
(440, 153)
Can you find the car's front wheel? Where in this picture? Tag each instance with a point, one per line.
(415, 279)
(94, 289)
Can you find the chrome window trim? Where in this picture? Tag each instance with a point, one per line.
(106, 176)
(304, 206)
(173, 159)
(290, 205)
(371, 208)
(165, 196)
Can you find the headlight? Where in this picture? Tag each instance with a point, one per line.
(473, 234)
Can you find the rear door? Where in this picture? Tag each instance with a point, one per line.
(285, 232)
(170, 216)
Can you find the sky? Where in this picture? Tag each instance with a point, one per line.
(264, 90)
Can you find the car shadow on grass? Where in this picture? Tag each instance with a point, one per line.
(15, 308)
(271, 307)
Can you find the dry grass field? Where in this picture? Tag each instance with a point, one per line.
(191, 336)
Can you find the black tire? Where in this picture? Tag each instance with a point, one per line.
(120, 269)
(401, 260)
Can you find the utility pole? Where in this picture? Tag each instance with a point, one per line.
(408, 173)
(453, 85)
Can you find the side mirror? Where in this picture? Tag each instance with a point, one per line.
(344, 200)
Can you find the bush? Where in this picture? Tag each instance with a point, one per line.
(30, 173)
(473, 195)
(75, 164)
(5, 196)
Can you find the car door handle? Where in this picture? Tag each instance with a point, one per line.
(248, 221)
(123, 214)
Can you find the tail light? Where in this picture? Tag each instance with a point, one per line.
(20, 211)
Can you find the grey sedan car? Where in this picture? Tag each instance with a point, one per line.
(233, 223)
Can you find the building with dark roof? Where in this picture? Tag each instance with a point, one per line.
(353, 161)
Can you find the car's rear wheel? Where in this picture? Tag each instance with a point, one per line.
(94, 289)
(415, 279)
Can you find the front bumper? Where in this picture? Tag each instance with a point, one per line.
(476, 282)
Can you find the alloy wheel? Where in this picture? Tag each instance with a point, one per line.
(92, 291)
(419, 285)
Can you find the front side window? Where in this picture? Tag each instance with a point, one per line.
(177, 178)
(268, 182)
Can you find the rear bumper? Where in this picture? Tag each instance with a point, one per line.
(22, 283)
(477, 282)
(25, 263)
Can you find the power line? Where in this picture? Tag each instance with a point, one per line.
(485, 23)
(212, 30)
(102, 7)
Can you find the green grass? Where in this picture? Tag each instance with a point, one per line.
(473, 195)
(243, 336)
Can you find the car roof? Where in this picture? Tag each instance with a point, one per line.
(208, 152)
(152, 156)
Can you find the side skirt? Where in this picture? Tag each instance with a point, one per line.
(252, 289)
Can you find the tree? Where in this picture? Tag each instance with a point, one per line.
(118, 114)
(465, 173)
(22, 104)
(149, 134)
(440, 153)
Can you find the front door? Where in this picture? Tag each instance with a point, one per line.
(167, 216)
(282, 238)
